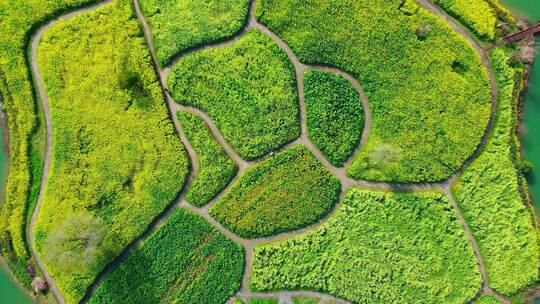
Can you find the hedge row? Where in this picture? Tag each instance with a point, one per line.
(487, 19)
(18, 20)
(216, 169)
(493, 201)
(117, 161)
(335, 118)
(180, 25)
(477, 15)
(185, 261)
(248, 89)
(422, 79)
(285, 192)
(487, 299)
(377, 247)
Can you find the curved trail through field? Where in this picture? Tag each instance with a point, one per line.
(339, 172)
(285, 297)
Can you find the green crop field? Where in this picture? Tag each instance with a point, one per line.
(185, 261)
(334, 115)
(116, 156)
(483, 17)
(265, 152)
(277, 195)
(180, 25)
(492, 201)
(377, 248)
(421, 86)
(248, 89)
(17, 19)
(216, 169)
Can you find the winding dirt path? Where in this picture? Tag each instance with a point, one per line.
(339, 172)
(285, 297)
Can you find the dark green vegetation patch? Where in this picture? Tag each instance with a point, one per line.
(216, 169)
(117, 161)
(248, 89)
(185, 261)
(335, 117)
(421, 87)
(377, 248)
(178, 25)
(288, 191)
(492, 194)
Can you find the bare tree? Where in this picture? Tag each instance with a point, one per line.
(528, 51)
(39, 285)
(74, 244)
(383, 155)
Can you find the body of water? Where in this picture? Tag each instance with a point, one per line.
(10, 291)
(530, 9)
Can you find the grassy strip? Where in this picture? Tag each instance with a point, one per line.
(492, 201)
(117, 161)
(181, 25)
(185, 261)
(248, 89)
(377, 247)
(288, 191)
(216, 169)
(335, 117)
(305, 300)
(477, 15)
(422, 79)
(487, 19)
(18, 20)
(263, 301)
(487, 299)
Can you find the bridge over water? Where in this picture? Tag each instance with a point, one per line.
(529, 32)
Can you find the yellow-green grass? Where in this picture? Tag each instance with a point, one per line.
(179, 25)
(288, 191)
(216, 169)
(428, 91)
(248, 89)
(494, 203)
(378, 247)
(18, 20)
(116, 155)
